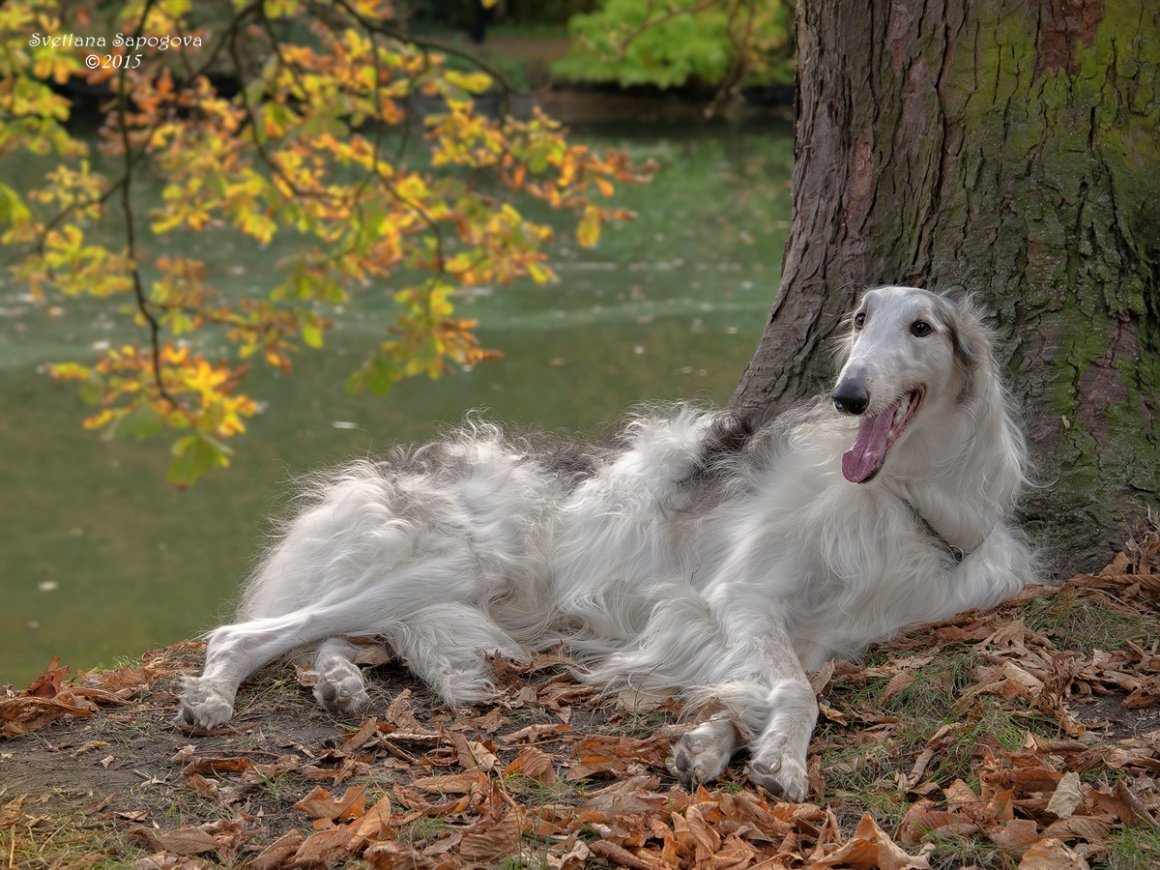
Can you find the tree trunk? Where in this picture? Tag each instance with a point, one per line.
(1011, 148)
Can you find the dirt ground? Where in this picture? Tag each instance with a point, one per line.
(1024, 737)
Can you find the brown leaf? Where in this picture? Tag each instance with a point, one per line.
(89, 747)
(360, 738)
(533, 763)
(11, 813)
(25, 713)
(180, 841)
(324, 847)
(1016, 835)
(372, 651)
(820, 681)
(451, 783)
(695, 834)
(1066, 797)
(534, 733)
(202, 786)
(167, 861)
(217, 765)
(376, 824)
(621, 856)
(633, 795)
(1051, 855)
(1090, 828)
(278, 853)
(1133, 802)
(1119, 565)
(832, 714)
(401, 713)
(391, 855)
(869, 847)
(897, 683)
(48, 684)
(959, 794)
(472, 754)
(921, 819)
(490, 840)
(321, 804)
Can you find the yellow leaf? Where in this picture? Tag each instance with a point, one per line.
(588, 232)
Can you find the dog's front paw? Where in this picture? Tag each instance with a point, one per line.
(702, 754)
(203, 704)
(783, 777)
(340, 688)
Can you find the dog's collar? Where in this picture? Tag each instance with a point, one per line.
(957, 554)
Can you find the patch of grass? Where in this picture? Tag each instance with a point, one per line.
(1086, 626)
(533, 855)
(560, 791)
(67, 841)
(951, 852)
(285, 788)
(522, 862)
(423, 830)
(865, 775)
(864, 778)
(1132, 849)
(641, 723)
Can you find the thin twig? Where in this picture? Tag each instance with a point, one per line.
(130, 230)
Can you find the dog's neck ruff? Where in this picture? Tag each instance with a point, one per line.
(957, 554)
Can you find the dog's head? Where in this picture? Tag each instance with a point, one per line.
(909, 354)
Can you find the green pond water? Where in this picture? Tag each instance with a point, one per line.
(100, 559)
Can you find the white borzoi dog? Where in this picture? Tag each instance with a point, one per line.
(703, 554)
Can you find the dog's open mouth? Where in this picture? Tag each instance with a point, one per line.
(876, 435)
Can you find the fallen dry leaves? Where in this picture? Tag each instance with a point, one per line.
(554, 775)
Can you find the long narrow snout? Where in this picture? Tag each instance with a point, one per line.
(851, 396)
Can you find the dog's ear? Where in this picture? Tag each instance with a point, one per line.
(956, 294)
(968, 338)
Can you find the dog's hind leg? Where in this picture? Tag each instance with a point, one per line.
(340, 687)
(233, 652)
(445, 645)
(703, 753)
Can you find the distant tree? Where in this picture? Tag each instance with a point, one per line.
(1011, 149)
(726, 44)
(317, 121)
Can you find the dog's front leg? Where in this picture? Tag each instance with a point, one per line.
(778, 754)
(769, 706)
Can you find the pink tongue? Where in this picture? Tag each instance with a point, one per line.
(862, 461)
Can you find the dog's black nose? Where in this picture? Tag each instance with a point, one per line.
(851, 397)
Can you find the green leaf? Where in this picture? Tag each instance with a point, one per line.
(193, 456)
(139, 422)
(12, 208)
(377, 375)
(312, 330)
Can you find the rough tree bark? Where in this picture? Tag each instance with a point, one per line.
(1011, 147)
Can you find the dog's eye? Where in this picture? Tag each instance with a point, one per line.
(859, 319)
(921, 328)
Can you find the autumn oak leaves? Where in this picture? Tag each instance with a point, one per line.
(362, 156)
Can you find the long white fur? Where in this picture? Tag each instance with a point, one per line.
(720, 573)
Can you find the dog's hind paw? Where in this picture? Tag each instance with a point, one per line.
(702, 754)
(203, 704)
(340, 688)
(785, 778)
